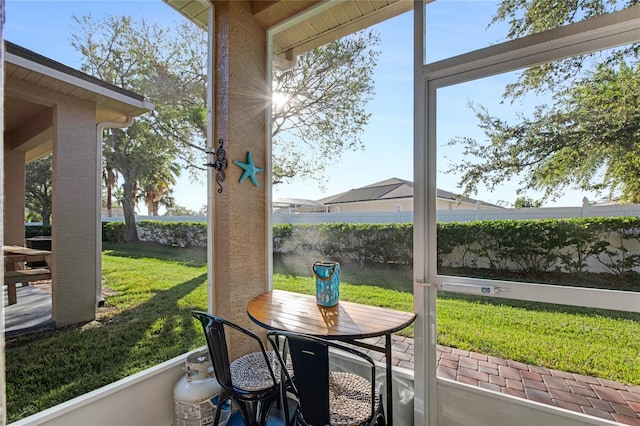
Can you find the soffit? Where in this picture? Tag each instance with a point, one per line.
(25, 68)
(32, 82)
(300, 26)
(107, 109)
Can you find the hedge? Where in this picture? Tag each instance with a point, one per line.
(379, 243)
(31, 231)
(175, 234)
(532, 246)
(538, 246)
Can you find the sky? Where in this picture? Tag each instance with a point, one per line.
(45, 27)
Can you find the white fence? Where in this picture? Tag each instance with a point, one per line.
(120, 218)
(462, 215)
(458, 215)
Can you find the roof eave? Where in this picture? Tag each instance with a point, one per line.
(125, 101)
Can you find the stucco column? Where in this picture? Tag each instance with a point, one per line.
(14, 190)
(239, 217)
(74, 222)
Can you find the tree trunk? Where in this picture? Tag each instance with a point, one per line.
(130, 231)
(46, 216)
(109, 205)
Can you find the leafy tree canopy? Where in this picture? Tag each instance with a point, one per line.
(526, 17)
(39, 185)
(178, 210)
(323, 96)
(586, 139)
(165, 64)
(161, 64)
(320, 106)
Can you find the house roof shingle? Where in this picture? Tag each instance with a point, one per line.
(389, 189)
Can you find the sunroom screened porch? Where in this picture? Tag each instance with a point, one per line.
(437, 400)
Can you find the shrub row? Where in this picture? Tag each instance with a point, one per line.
(175, 234)
(538, 246)
(378, 243)
(533, 246)
(31, 231)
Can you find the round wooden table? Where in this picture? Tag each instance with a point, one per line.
(347, 321)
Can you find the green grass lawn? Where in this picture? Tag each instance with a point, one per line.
(147, 321)
(584, 341)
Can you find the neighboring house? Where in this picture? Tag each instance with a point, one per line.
(50, 108)
(392, 195)
(296, 205)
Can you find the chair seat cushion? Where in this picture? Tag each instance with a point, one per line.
(349, 398)
(250, 373)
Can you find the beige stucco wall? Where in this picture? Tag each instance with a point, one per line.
(453, 205)
(406, 205)
(14, 193)
(240, 234)
(71, 124)
(74, 218)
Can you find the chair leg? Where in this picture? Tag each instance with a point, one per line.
(264, 409)
(222, 398)
(255, 413)
(284, 405)
(378, 417)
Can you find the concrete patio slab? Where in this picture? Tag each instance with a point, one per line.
(31, 313)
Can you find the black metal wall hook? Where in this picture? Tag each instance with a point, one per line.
(219, 162)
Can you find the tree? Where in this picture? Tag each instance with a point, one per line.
(177, 210)
(110, 179)
(136, 56)
(530, 17)
(156, 187)
(326, 93)
(319, 106)
(137, 153)
(319, 113)
(39, 185)
(585, 140)
(525, 202)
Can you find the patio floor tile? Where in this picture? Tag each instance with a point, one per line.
(596, 397)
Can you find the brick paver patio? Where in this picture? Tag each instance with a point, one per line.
(596, 397)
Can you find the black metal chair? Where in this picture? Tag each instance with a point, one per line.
(325, 396)
(252, 381)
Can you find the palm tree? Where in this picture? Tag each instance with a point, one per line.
(157, 184)
(110, 178)
(142, 157)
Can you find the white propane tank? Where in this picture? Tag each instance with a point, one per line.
(193, 395)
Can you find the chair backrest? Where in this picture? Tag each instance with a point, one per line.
(311, 367)
(214, 330)
(310, 361)
(217, 344)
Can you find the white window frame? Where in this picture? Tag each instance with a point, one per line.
(600, 33)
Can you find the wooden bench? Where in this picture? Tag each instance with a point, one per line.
(11, 278)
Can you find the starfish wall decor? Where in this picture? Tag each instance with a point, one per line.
(249, 168)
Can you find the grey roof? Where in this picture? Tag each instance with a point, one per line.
(385, 190)
(390, 189)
